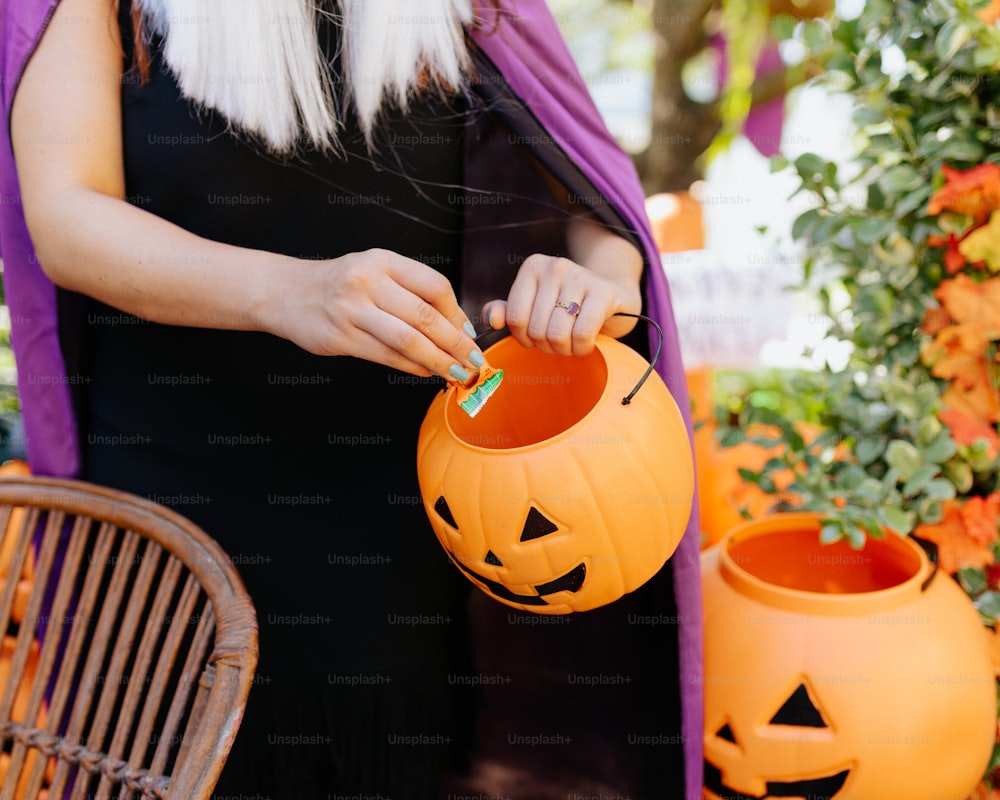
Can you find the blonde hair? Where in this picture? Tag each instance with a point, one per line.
(260, 65)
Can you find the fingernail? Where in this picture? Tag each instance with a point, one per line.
(459, 373)
(489, 319)
(469, 330)
(476, 358)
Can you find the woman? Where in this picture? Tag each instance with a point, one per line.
(261, 221)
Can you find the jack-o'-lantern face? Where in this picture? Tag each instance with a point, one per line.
(536, 526)
(837, 673)
(558, 497)
(799, 718)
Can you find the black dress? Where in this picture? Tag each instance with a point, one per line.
(302, 467)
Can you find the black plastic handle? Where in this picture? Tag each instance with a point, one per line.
(656, 356)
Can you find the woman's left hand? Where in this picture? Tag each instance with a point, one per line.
(560, 306)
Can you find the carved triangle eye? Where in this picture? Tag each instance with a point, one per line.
(725, 732)
(800, 710)
(536, 526)
(441, 506)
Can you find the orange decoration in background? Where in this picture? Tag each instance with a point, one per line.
(677, 221)
(974, 192)
(805, 696)
(723, 495)
(725, 499)
(8, 643)
(16, 468)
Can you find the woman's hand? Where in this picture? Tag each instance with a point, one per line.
(379, 306)
(559, 305)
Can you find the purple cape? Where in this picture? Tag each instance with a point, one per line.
(545, 106)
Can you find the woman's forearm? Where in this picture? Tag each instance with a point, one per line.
(130, 259)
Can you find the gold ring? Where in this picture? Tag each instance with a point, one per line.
(571, 308)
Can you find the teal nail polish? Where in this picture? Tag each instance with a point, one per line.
(469, 330)
(489, 319)
(459, 373)
(477, 359)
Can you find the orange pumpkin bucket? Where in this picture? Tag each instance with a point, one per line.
(557, 496)
(840, 673)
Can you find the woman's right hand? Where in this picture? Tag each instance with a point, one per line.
(379, 306)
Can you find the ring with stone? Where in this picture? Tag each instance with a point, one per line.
(571, 308)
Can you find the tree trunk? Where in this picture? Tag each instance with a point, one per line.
(681, 129)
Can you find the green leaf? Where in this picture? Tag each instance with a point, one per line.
(988, 606)
(901, 178)
(866, 115)
(855, 535)
(827, 227)
(911, 202)
(950, 39)
(930, 511)
(816, 34)
(809, 165)
(941, 449)
(873, 526)
(920, 479)
(783, 27)
(995, 758)
(895, 518)
(985, 56)
(869, 489)
(874, 229)
(940, 489)
(928, 429)
(960, 474)
(830, 532)
(804, 223)
(972, 580)
(869, 449)
(961, 150)
(904, 457)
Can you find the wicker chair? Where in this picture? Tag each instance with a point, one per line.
(131, 646)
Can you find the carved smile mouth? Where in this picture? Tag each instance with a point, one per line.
(570, 582)
(813, 788)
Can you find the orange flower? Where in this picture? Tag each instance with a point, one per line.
(956, 547)
(974, 395)
(981, 247)
(967, 430)
(980, 517)
(959, 351)
(958, 354)
(953, 258)
(991, 13)
(974, 192)
(936, 320)
(972, 301)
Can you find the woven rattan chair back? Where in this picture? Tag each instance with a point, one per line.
(130, 647)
